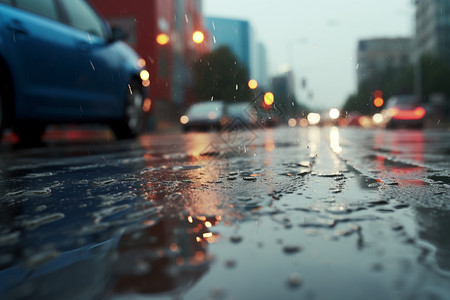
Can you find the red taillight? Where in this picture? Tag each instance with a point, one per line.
(394, 111)
(419, 112)
(416, 114)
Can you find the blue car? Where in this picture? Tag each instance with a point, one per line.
(61, 63)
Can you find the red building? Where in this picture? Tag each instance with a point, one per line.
(162, 32)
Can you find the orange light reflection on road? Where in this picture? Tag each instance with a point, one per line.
(404, 174)
(335, 140)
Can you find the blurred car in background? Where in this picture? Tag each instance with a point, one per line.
(205, 116)
(403, 111)
(61, 63)
(241, 115)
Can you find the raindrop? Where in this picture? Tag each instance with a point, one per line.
(385, 210)
(236, 239)
(294, 281)
(303, 173)
(400, 206)
(245, 199)
(185, 168)
(338, 209)
(352, 228)
(305, 164)
(230, 263)
(319, 223)
(249, 178)
(10, 238)
(291, 249)
(81, 182)
(39, 259)
(377, 267)
(331, 175)
(38, 175)
(40, 208)
(109, 211)
(104, 182)
(381, 202)
(397, 227)
(36, 222)
(218, 293)
(44, 192)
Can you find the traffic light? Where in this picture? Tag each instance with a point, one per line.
(268, 101)
(378, 98)
(378, 102)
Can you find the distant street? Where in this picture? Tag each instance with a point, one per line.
(282, 213)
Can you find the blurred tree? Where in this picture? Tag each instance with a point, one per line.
(434, 75)
(391, 81)
(220, 75)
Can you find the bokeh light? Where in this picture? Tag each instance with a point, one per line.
(146, 105)
(142, 63)
(378, 102)
(313, 118)
(198, 37)
(162, 39)
(334, 113)
(184, 120)
(269, 98)
(252, 84)
(145, 75)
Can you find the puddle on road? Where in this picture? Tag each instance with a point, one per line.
(295, 217)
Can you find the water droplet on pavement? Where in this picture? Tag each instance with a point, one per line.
(294, 281)
(291, 249)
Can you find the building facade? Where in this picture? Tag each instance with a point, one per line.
(161, 31)
(433, 28)
(239, 36)
(375, 55)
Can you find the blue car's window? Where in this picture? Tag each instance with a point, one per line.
(46, 8)
(81, 16)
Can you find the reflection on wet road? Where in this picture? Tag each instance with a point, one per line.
(287, 213)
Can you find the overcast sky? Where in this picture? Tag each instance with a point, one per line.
(323, 36)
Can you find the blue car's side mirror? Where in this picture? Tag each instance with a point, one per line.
(117, 34)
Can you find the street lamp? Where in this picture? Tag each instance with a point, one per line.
(269, 99)
(334, 113)
(162, 39)
(198, 37)
(303, 82)
(252, 84)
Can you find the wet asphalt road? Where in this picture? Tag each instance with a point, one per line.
(286, 213)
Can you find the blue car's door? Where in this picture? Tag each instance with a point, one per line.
(103, 82)
(58, 73)
(42, 58)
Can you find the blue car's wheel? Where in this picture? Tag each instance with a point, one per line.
(2, 115)
(29, 132)
(133, 121)
(6, 100)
